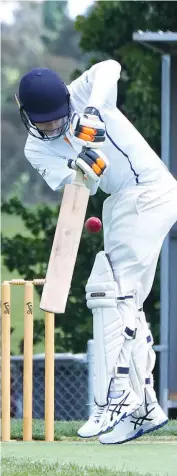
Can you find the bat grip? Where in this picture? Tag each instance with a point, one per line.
(79, 177)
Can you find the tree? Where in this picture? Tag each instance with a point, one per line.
(30, 255)
(61, 38)
(107, 32)
(22, 49)
(32, 40)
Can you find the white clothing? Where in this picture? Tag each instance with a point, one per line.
(131, 159)
(133, 237)
(142, 205)
(140, 211)
(136, 222)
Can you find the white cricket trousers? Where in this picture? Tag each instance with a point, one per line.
(136, 222)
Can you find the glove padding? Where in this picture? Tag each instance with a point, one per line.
(87, 128)
(93, 163)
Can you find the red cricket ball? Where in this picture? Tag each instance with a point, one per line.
(93, 225)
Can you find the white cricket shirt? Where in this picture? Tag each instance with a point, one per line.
(132, 161)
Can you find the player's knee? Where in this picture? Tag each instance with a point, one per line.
(101, 288)
(102, 291)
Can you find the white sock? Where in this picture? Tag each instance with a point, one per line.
(116, 389)
(115, 394)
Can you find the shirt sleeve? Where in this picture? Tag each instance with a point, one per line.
(103, 78)
(55, 171)
(97, 87)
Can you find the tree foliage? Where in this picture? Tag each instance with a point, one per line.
(37, 37)
(62, 36)
(30, 255)
(107, 33)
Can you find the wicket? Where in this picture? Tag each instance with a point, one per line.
(27, 363)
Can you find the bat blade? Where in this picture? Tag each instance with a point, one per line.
(65, 247)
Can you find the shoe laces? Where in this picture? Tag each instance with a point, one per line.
(97, 413)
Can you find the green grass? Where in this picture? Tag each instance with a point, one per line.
(69, 455)
(27, 468)
(11, 225)
(68, 429)
(158, 458)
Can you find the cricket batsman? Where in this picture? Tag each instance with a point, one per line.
(80, 126)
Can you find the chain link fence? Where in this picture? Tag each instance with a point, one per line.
(71, 386)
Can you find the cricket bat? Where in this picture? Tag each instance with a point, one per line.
(65, 246)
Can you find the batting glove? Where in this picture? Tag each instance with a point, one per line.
(88, 130)
(93, 163)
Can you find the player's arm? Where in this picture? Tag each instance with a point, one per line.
(57, 171)
(89, 129)
(53, 169)
(102, 77)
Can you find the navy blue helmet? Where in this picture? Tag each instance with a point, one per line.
(43, 97)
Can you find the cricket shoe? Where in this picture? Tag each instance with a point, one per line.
(94, 426)
(120, 408)
(106, 417)
(133, 427)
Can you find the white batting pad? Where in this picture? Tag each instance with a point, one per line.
(109, 327)
(142, 363)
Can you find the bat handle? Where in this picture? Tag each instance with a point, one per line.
(79, 180)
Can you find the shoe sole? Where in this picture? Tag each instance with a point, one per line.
(140, 433)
